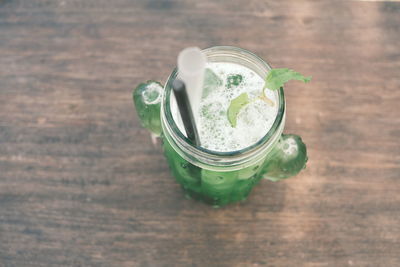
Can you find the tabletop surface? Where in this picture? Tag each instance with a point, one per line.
(82, 185)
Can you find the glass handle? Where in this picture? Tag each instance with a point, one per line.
(147, 99)
(287, 159)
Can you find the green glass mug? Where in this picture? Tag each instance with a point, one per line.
(220, 178)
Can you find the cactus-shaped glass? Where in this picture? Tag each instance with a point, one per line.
(220, 178)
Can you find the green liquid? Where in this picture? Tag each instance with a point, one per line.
(213, 187)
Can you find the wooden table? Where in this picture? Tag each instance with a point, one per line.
(82, 185)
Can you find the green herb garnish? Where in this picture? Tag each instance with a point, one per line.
(275, 79)
(233, 80)
(235, 107)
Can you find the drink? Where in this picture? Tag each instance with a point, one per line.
(231, 160)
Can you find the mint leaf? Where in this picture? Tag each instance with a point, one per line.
(235, 107)
(234, 80)
(276, 78)
(211, 82)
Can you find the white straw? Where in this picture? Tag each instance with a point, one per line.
(191, 66)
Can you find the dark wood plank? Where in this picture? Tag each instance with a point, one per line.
(81, 184)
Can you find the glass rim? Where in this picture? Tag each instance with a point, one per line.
(166, 107)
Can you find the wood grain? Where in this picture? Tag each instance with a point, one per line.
(81, 184)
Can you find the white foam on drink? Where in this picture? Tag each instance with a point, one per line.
(254, 120)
